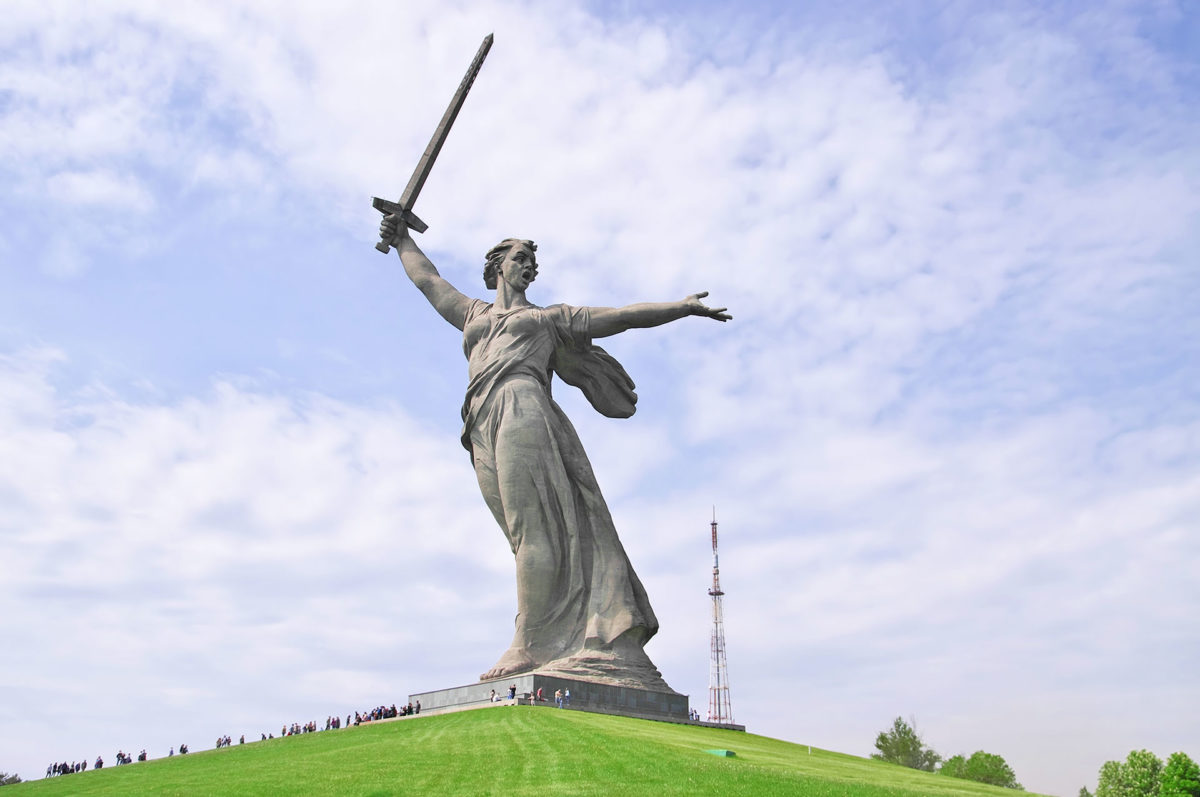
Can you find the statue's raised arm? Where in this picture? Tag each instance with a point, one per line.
(445, 298)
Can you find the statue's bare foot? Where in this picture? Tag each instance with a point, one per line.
(513, 662)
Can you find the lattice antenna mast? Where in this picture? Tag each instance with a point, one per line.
(719, 708)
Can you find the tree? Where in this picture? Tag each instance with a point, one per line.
(955, 766)
(1139, 776)
(981, 767)
(1083, 792)
(1143, 773)
(1112, 780)
(903, 745)
(7, 779)
(1180, 777)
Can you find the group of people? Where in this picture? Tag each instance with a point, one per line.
(67, 769)
(331, 723)
(295, 729)
(562, 697)
(495, 698)
(384, 713)
(81, 766)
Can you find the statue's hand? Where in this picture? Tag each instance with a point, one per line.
(697, 307)
(392, 230)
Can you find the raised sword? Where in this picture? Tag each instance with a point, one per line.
(403, 208)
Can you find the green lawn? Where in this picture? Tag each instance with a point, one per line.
(512, 750)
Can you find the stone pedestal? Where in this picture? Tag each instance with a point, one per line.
(585, 695)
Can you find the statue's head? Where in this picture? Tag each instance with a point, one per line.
(497, 254)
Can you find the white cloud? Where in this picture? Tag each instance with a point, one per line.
(120, 192)
(241, 531)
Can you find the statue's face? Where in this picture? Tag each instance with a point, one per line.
(519, 268)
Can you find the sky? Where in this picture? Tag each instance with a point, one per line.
(951, 435)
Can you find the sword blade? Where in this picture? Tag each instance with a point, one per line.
(403, 208)
(425, 165)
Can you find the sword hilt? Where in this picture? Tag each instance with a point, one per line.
(407, 217)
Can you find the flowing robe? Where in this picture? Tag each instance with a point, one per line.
(576, 589)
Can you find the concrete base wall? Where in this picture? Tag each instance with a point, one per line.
(585, 695)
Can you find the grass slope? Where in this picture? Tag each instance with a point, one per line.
(510, 750)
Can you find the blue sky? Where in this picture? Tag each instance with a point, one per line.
(952, 434)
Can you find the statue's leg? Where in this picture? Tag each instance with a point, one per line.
(516, 659)
(524, 483)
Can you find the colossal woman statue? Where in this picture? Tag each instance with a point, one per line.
(581, 609)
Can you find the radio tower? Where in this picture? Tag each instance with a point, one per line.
(719, 708)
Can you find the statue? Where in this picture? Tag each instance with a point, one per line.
(581, 610)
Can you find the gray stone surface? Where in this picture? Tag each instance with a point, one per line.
(585, 696)
(581, 610)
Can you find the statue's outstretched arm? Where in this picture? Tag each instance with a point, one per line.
(445, 298)
(612, 320)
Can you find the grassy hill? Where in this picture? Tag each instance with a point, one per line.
(512, 750)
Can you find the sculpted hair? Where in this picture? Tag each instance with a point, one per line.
(496, 255)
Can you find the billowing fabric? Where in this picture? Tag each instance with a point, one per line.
(601, 378)
(575, 585)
